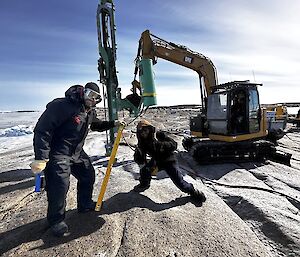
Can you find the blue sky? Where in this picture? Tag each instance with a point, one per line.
(47, 46)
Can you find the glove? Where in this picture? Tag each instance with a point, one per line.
(154, 171)
(160, 135)
(119, 123)
(38, 166)
(161, 146)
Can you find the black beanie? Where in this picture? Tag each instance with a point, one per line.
(93, 86)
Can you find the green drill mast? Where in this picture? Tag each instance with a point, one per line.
(107, 61)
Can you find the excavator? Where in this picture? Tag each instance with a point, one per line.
(230, 126)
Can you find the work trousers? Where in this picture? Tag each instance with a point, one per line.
(173, 172)
(57, 175)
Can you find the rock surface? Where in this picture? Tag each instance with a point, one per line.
(162, 221)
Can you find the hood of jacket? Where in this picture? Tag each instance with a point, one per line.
(144, 123)
(75, 93)
(145, 142)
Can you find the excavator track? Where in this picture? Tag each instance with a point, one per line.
(206, 151)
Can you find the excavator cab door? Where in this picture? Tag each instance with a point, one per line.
(238, 112)
(255, 114)
(245, 114)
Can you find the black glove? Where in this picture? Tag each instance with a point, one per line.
(160, 135)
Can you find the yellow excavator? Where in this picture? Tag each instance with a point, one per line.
(277, 117)
(230, 126)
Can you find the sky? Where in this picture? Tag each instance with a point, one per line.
(48, 46)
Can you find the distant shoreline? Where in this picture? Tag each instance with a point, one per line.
(17, 111)
(180, 106)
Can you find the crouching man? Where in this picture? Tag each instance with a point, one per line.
(58, 142)
(161, 150)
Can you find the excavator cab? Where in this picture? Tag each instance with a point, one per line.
(232, 114)
(234, 109)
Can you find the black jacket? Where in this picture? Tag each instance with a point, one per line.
(63, 127)
(161, 150)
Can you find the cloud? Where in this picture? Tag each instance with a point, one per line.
(256, 40)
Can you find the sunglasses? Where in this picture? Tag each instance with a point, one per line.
(92, 95)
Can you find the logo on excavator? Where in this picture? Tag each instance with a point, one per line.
(188, 59)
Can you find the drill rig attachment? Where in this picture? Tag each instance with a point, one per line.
(143, 92)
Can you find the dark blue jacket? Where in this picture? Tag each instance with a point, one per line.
(161, 150)
(63, 127)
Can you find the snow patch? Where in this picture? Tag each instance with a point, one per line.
(16, 131)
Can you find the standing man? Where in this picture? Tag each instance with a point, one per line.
(58, 142)
(161, 151)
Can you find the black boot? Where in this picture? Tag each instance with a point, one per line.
(141, 187)
(89, 208)
(198, 196)
(60, 229)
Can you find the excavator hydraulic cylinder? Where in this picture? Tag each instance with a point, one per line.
(147, 82)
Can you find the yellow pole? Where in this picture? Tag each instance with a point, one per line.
(108, 170)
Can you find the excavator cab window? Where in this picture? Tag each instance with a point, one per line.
(244, 111)
(239, 121)
(217, 113)
(254, 111)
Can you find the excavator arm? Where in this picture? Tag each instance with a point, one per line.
(153, 47)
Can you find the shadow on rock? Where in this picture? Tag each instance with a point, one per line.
(22, 234)
(15, 175)
(213, 170)
(24, 175)
(247, 211)
(104, 163)
(95, 158)
(79, 224)
(122, 202)
(293, 130)
(18, 186)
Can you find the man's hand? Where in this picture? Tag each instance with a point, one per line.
(161, 146)
(160, 135)
(38, 166)
(119, 123)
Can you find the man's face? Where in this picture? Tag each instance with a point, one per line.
(91, 98)
(144, 132)
(89, 102)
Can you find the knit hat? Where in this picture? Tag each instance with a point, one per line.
(93, 86)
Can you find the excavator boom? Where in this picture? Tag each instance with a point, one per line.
(153, 47)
